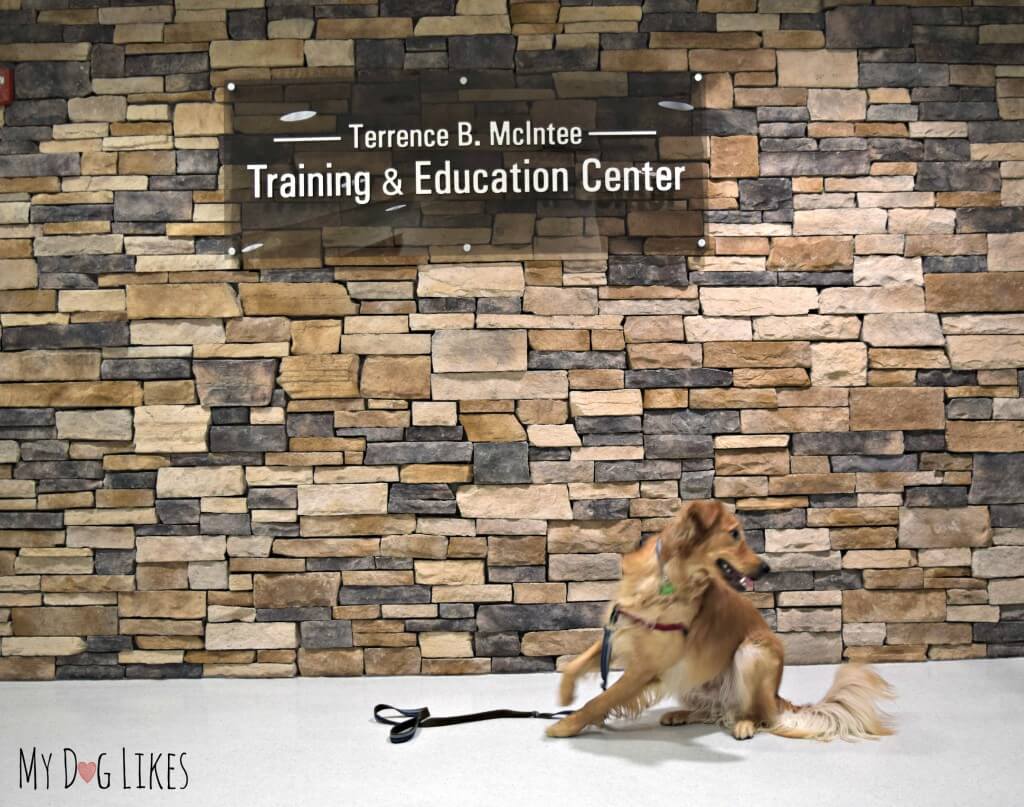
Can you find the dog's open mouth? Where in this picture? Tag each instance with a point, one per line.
(738, 581)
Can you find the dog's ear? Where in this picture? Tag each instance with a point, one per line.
(705, 515)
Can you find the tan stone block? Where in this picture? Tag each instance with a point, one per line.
(811, 253)
(996, 561)
(319, 376)
(971, 292)
(516, 550)
(324, 500)
(191, 120)
(751, 462)
(180, 548)
(819, 68)
(41, 646)
(392, 660)
(862, 605)
(594, 536)
(492, 428)
(737, 301)
(812, 648)
(1006, 592)
(757, 354)
(837, 105)
(869, 300)
(296, 299)
(401, 377)
(444, 644)
(89, 620)
(471, 280)
(169, 429)
(315, 336)
(308, 589)
(71, 394)
(500, 386)
(839, 221)
(896, 408)
(172, 604)
(331, 662)
(514, 501)
(887, 270)
(1005, 251)
(794, 419)
(839, 364)
(256, 53)
(928, 527)
(558, 642)
(479, 351)
(734, 156)
(606, 402)
(222, 480)
(985, 352)
(552, 436)
(329, 53)
(182, 301)
(251, 635)
(981, 435)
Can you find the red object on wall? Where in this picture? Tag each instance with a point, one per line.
(6, 86)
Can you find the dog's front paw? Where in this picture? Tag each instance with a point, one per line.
(566, 727)
(744, 729)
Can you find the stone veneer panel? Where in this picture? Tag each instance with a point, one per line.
(206, 470)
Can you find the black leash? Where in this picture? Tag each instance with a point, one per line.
(406, 722)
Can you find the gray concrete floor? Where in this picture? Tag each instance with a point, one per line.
(311, 742)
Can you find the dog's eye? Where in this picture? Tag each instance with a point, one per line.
(735, 534)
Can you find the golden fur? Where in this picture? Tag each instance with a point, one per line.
(728, 666)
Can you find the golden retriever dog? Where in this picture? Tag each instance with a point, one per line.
(680, 627)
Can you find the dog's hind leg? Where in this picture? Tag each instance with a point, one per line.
(627, 689)
(685, 717)
(585, 662)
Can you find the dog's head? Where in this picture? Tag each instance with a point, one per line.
(704, 535)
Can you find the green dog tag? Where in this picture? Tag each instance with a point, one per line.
(666, 588)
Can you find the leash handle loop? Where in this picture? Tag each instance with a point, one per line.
(407, 722)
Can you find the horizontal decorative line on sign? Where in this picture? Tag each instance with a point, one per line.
(636, 133)
(317, 139)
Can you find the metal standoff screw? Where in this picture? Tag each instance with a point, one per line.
(701, 242)
(466, 247)
(698, 76)
(231, 86)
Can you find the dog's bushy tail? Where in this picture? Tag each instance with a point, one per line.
(849, 710)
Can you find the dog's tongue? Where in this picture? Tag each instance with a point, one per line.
(748, 584)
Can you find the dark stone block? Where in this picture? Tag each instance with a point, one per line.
(678, 446)
(936, 496)
(293, 614)
(131, 480)
(501, 463)
(58, 469)
(934, 264)
(417, 8)
(431, 499)
(249, 23)
(481, 52)
(89, 672)
(45, 112)
(152, 205)
(966, 110)
(765, 194)
(379, 54)
(224, 524)
(600, 509)
(87, 334)
(272, 498)
(248, 438)
(52, 79)
(556, 61)
(522, 664)
(145, 369)
(27, 417)
(39, 165)
(607, 424)
(230, 382)
(970, 53)
(697, 377)
(49, 214)
(517, 574)
(815, 278)
(888, 74)
(499, 305)
(845, 579)
(326, 633)
(946, 378)
(997, 479)
(165, 64)
(428, 433)
(725, 122)
(774, 519)
(371, 595)
(179, 511)
(633, 470)
(876, 442)
(696, 485)
(496, 644)
(446, 305)
(160, 671)
(229, 416)
(859, 464)
(999, 631)
(391, 453)
(456, 610)
(733, 278)
(429, 625)
(803, 163)
(42, 450)
(989, 220)
(313, 424)
(646, 270)
(969, 409)
(339, 564)
(576, 360)
(785, 581)
(677, 21)
(864, 27)
(924, 441)
(527, 617)
(690, 421)
(114, 561)
(107, 644)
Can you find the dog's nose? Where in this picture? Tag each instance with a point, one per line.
(765, 568)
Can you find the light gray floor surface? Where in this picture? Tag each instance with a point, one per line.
(312, 742)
